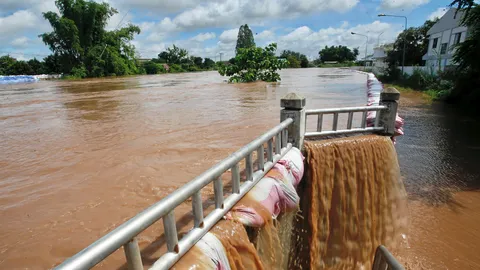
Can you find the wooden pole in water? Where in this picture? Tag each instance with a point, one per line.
(294, 107)
(386, 118)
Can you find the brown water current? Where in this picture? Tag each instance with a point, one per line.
(357, 201)
(78, 158)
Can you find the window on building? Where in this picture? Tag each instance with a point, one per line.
(457, 38)
(443, 49)
(435, 43)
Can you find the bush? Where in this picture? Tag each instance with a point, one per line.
(421, 80)
(254, 63)
(176, 68)
(78, 73)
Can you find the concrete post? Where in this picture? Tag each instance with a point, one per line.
(294, 107)
(389, 98)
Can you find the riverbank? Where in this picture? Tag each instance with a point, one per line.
(412, 94)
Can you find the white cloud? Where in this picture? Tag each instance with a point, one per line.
(229, 36)
(437, 13)
(264, 35)
(344, 24)
(236, 12)
(19, 22)
(402, 4)
(20, 42)
(309, 42)
(162, 6)
(203, 36)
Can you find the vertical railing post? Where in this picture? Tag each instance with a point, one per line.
(294, 107)
(386, 118)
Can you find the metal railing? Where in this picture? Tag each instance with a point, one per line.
(350, 110)
(124, 235)
(385, 260)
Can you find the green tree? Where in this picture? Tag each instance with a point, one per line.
(37, 66)
(338, 53)
(5, 63)
(198, 61)
(253, 64)
(466, 88)
(417, 45)
(52, 64)
(20, 68)
(208, 63)
(79, 40)
(245, 38)
(174, 55)
(295, 59)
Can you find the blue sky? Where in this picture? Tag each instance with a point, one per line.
(208, 28)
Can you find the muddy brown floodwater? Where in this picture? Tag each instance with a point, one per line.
(78, 158)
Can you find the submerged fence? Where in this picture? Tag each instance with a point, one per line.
(291, 132)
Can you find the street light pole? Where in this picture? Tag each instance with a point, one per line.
(404, 39)
(366, 44)
(378, 39)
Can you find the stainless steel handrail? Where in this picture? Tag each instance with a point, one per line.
(124, 235)
(350, 110)
(385, 260)
(345, 109)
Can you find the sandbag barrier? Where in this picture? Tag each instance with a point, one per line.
(274, 194)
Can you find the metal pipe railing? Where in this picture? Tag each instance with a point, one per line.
(126, 232)
(385, 260)
(336, 112)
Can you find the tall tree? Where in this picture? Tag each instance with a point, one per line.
(417, 45)
(80, 41)
(245, 38)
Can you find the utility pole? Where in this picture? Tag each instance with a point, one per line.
(221, 57)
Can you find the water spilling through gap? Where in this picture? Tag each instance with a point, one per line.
(353, 201)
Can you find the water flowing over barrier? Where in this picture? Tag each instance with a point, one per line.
(252, 224)
(354, 201)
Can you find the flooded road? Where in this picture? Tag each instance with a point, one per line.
(80, 157)
(440, 162)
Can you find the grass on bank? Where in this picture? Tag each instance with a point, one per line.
(428, 95)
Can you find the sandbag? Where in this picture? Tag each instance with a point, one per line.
(208, 253)
(374, 88)
(273, 194)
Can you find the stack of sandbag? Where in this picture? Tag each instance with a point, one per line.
(227, 246)
(273, 194)
(374, 88)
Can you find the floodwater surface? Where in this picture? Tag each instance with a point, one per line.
(78, 158)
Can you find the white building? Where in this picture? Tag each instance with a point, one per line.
(443, 36)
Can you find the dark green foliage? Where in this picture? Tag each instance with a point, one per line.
(151, 67)
(5, 63)
(80, 42)
(245, 38)
(174, 55)
(467, 55)
(295, 59)
(198, 61)
(208, 63)
(254, 63)
(20, 68)
(52, 64)
(37, 66)
(417, 46)
(338, 53)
